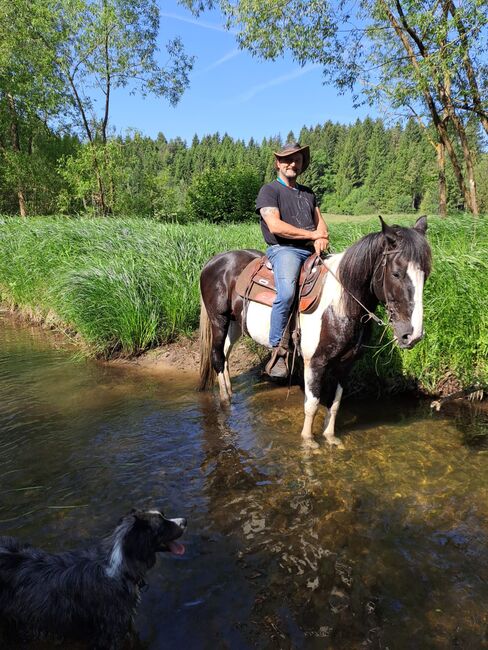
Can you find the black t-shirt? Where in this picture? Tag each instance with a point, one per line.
(296, 207)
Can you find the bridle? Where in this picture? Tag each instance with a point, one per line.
(381, 266)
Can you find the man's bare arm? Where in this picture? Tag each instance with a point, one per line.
(278, 227)
(320, 223)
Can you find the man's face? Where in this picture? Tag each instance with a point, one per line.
(290, 166)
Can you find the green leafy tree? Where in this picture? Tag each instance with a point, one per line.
(31, 90)
(223, 195)
(112, 44)
(425, 56)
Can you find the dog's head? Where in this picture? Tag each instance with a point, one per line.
(140, 535)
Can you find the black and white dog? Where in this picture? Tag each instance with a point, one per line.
(89, 595)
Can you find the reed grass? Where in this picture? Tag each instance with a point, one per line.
(125, 285)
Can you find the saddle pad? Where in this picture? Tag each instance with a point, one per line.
(256, 283)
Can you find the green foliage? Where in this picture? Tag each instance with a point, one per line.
(123, 285)
(419, 57)
(127, 284)
(392, 170)
(52, 58)
(223, 195)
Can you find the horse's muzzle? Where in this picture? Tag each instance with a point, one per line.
(405, 335)
(408, 341)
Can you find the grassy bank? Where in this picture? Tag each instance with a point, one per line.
(127, 285)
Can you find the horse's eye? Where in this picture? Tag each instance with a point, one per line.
(395, 274)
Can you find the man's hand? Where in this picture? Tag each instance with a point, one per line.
(320, 245)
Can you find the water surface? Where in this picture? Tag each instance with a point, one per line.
(380, 545)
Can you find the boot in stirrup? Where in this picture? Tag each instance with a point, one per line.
(277, 366)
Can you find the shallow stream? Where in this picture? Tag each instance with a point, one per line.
(380, 545)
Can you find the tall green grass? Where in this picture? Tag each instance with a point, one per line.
(122, 285)
(125, 285)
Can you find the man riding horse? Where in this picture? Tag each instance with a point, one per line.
(293, 228)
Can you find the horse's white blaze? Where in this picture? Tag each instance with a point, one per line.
(417, 278)
(258, 320)
(311, 324)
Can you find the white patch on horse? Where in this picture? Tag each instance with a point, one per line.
(311, 403)
(258, 320)
(311, 324)
(233, 333)
(417, 278)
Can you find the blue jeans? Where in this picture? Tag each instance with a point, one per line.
(286, 262)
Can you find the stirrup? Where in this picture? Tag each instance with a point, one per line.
(277, 366)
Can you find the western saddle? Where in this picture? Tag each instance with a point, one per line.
(256, 283)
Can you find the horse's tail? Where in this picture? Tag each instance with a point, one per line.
(207, 374)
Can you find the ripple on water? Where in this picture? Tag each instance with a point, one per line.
(382, 544)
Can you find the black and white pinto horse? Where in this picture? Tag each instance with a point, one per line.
(388, 267)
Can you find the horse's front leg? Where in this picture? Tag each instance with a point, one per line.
(330, 419)
(312, 398)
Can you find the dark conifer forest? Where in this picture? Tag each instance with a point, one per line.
(363, 168)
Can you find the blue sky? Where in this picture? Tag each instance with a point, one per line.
(230, 91)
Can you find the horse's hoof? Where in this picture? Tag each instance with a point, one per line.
(334, 442)
(309, 443)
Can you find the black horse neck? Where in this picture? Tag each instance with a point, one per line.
(361, 272)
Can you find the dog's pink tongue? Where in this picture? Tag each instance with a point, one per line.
(176, 548)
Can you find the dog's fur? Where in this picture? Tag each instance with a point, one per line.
(89, 595)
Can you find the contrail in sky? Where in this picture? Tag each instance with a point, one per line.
(197, 22)
(226, 57)
(245, 97)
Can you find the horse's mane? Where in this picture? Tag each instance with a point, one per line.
(360, 259)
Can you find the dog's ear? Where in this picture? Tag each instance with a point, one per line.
(139, 541)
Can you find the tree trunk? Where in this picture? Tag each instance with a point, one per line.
(401, 30)
(22, 205)
(441, 166)
(15, 140)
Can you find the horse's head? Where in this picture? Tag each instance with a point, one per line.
(399, 277)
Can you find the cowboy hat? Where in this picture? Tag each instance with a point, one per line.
(294, 147)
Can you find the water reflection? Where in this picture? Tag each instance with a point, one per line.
(379, 545)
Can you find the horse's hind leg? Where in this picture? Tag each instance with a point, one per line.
(330, 419)
(233, 333)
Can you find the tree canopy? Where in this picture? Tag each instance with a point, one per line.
(427, 58)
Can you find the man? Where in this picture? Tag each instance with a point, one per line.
(293, 228)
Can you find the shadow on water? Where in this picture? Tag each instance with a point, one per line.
(381, 545)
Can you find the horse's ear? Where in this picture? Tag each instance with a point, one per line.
(421, 224)
(388, 232)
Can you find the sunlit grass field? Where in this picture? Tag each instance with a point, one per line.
(125, 285)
